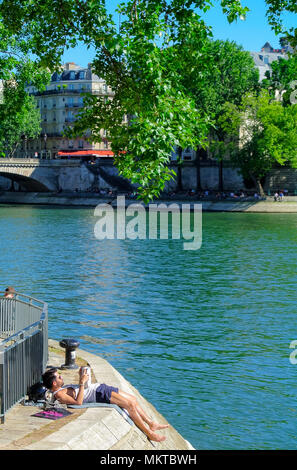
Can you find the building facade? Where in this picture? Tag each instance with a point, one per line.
(267, 55)
(58, 105)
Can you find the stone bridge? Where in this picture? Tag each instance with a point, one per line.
(53, 175)
(37, 175)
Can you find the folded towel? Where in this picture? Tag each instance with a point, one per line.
(122, 411)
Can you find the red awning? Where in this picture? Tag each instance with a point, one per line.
(85, 153)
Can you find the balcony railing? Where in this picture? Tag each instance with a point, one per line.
(23, 347)
(68, 91)
(73, 105)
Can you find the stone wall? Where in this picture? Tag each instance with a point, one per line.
(72, 175)
(281, 179)
(209, 177)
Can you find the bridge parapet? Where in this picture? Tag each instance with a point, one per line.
(35, 175)
(34, 162)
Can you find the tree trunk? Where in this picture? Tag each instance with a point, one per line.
(258, 185)
(260, 188)
(12, 151)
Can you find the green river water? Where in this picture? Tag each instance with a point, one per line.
(203, 334)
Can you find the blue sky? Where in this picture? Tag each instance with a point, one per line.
(251, 33)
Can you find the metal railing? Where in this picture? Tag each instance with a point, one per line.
(23, 347)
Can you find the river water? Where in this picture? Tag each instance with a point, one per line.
(203, 334)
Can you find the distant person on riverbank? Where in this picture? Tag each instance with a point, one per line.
(276, 196)
(281, 195)
(9, 292)
(101, 393)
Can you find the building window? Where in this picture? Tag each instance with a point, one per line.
(72, 75)
(81, 144)
(81, 75)
(70, 117)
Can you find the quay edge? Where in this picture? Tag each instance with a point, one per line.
(289, 205)
(88, 428)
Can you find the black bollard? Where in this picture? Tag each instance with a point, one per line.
(70, 346)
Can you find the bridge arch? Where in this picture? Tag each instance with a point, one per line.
(26, 182)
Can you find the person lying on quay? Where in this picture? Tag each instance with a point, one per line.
(77, 394)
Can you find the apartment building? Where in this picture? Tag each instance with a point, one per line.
(267, 55)
(58, 105)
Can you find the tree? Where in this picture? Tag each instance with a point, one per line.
(282, 78)
(262, 132)
(19, 119)
(18, 114)
(145, 61)
(231, 73)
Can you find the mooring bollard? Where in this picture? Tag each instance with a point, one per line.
(70, 346)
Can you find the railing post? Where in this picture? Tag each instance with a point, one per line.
(2, 385)
(30, 310)
(23, 371)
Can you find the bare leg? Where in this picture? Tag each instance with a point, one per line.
(138, 416)
(153, 426)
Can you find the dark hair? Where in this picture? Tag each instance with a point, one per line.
(49, 377)
(9, 290)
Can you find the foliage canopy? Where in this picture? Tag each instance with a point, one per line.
(146, 61)
(262, 132)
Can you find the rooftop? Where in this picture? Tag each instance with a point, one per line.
(72, 71)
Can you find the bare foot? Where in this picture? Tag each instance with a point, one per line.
(157, 426)
(156, 437)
